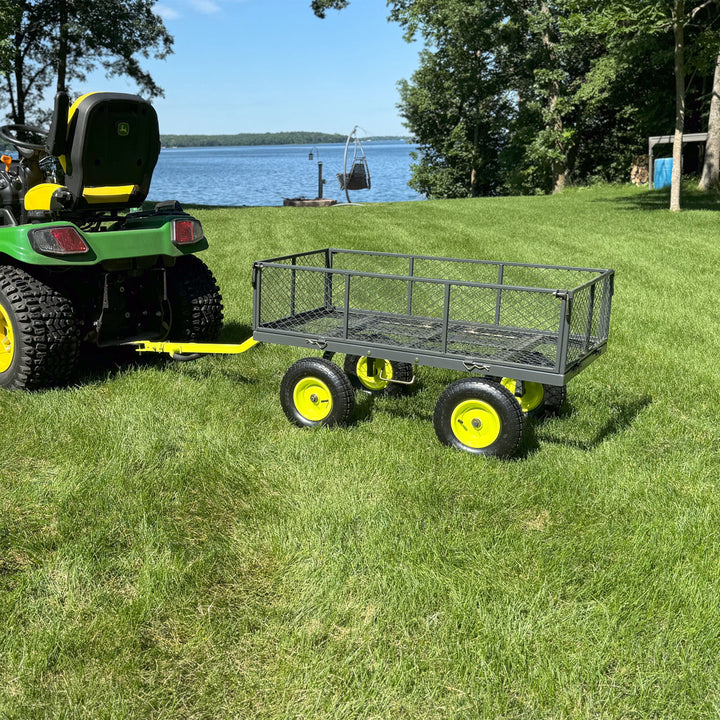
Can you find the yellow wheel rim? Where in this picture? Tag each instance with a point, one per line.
(7, 340)
(475, 423)
(313, 399)
(532, 397)
(368, 372)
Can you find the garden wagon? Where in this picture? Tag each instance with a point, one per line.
(518, 332)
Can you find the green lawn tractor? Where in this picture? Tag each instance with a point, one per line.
(81, 264)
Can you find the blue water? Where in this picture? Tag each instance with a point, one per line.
(265, 175)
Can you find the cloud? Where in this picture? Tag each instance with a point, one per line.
(207, 7)
(166, 12)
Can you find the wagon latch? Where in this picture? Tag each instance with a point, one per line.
(470, 366)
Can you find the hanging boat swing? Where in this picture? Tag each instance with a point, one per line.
(357, 177)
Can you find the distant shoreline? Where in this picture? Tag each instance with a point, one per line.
(255, 139)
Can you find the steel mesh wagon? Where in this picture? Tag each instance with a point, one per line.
(522, 331)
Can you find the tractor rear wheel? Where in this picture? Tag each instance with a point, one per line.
(195, 300)
(39, 335)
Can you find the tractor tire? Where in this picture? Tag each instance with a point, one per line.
(195, 301)
(39, 334)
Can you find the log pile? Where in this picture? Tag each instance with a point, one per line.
(639, 173)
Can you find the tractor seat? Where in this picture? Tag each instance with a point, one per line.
(108, 145)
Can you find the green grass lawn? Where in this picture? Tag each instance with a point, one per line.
(171, 547)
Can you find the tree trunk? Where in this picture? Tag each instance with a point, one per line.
(62, 48)
(679, 34)
(559, 168)
(711, 166)
(474, 170)
(19, 110)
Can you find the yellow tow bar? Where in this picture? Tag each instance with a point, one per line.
(191, 350)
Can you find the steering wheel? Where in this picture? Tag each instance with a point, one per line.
(6, 130)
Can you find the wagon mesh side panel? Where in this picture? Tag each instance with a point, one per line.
(292, 297)
(508, 325)
(487, 273)
(311, 259)
(589, 319)
(381, 308)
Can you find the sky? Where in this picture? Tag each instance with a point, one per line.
(272, 66)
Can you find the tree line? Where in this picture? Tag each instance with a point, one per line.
(524, 96)
(275, 138)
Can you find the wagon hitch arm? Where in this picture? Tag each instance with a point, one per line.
(184, 351)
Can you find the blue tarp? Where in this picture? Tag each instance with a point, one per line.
(662, 176)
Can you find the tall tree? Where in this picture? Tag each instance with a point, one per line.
(456, 105)
(711, 166)
(55, 42)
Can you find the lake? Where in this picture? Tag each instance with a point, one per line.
(265, 175)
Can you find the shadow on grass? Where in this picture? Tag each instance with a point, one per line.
(396, 405)
(692, 199)
(622, 417)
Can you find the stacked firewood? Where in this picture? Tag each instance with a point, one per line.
(639, 173)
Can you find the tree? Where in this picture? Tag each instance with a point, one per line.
(458, 109)
(320, 7)
(711, 167)
(55, 42)
(9, 13)
(631, 17)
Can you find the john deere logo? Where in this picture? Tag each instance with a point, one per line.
(123, 129)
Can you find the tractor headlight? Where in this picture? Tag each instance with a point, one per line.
(65, 240)
(186, 231)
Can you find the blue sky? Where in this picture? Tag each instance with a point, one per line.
(271, 65)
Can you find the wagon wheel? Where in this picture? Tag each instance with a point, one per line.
(374, 374)
(315, 392)
(537, 399)
(479, 416)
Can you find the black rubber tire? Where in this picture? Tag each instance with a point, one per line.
(553, 396)
(46, 340)
(400, 371)
(503, 405)
(195, 301)
(334, 379)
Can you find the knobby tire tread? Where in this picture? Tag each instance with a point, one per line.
(195, 299)
(47, 336)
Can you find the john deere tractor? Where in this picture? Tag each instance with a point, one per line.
(81, 263)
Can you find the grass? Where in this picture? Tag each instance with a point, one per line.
(171, 547)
